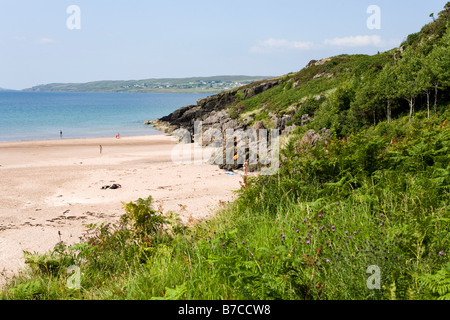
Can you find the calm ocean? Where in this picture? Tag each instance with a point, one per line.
(41, 115)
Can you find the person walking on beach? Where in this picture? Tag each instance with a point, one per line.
(101, 149)
(60, 133)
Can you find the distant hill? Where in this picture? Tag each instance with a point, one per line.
(195, 85)
(3, 89)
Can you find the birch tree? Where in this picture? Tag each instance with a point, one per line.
(407, 75)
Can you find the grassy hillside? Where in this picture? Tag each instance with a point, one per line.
(370, 200)
(348, 92)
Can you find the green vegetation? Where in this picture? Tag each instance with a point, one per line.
(358, 91)
(169, 85)
(376, 193)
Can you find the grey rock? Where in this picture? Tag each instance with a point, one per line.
(289, 129)
(311, 137)
(305, 120)
(258, 125)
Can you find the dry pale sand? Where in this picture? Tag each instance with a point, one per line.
(52, 187)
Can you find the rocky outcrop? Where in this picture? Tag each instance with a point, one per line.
(161, 126)
(211, 110)
(257, 89)
(215, 121)
(311, 137)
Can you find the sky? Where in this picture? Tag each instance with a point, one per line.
(50, 41)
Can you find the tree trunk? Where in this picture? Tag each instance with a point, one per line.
(435, 97)
(411, 108)
(388, 110)
(428, 102)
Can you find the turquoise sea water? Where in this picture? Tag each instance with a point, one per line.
(41, 115)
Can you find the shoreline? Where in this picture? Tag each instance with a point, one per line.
(54, 187)
(91, 140)
(50, 140)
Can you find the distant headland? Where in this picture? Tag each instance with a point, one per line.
(213, 84)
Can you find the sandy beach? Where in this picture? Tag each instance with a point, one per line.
(55, 187)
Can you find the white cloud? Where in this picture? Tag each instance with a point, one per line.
(273, 44)
(281, 45)
(356, 41)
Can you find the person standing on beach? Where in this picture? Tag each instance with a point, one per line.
(60, 133)
(101, 149)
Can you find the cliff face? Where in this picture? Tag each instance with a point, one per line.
(211, 110)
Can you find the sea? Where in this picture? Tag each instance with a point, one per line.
(26, 116)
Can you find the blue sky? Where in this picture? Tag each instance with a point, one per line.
(140, 39)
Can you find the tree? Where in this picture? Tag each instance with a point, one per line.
(386, 87)
(446, 11)
(425, 79)
(367, 99)
(406, 72)
(439, 65)
(432, 16)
